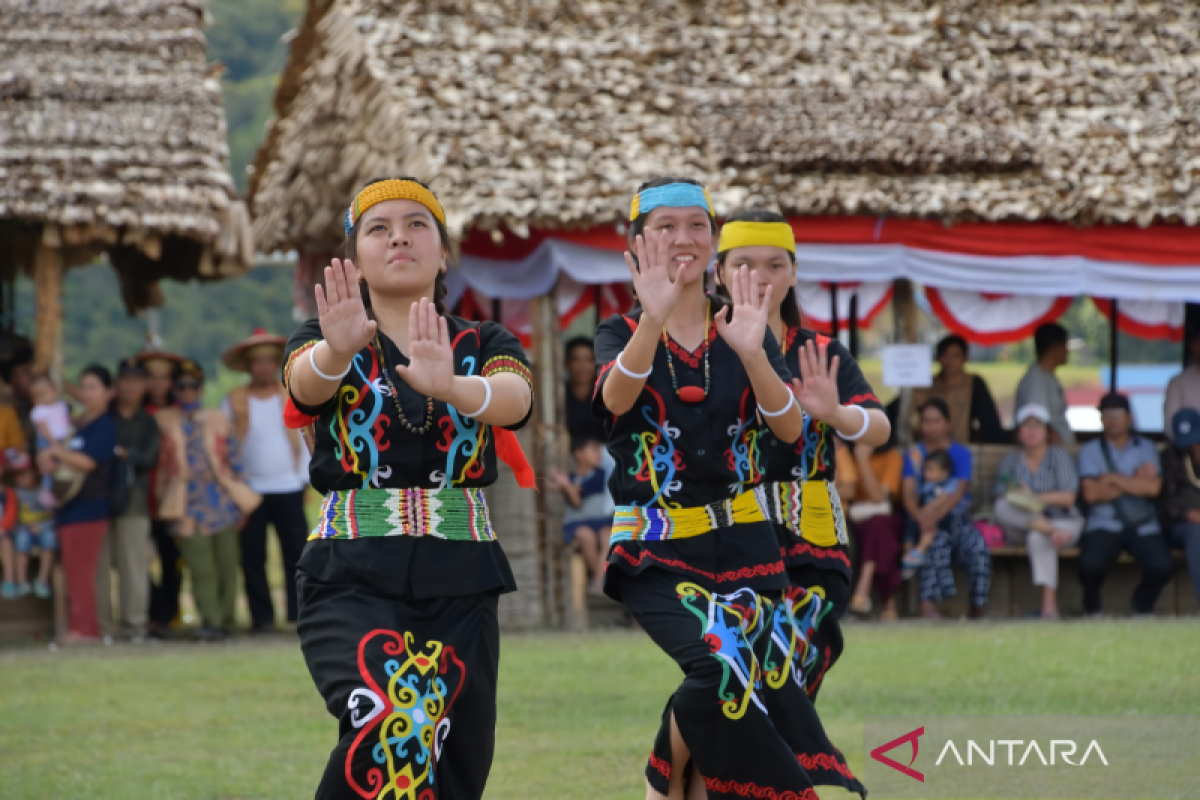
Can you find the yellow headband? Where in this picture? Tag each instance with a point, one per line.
(749, 234)
(392, 190)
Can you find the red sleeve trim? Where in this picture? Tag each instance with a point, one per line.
(858, 398)
(632, 323)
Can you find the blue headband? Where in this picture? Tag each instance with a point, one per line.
(673, 195)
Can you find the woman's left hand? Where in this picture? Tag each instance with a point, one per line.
(430, 369)
(745, 333)
(816, 389)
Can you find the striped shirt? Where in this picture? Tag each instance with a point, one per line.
(1055, 473)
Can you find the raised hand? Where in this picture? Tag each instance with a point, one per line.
(430, 369)
(744, 333)
(816, 389)
(656, 292)
(344, 322)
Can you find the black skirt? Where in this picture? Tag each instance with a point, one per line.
(411, 681)
(820, 569)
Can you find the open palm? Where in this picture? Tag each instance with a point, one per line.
(816, 388)
(656, 292)
(343, 318)
(744, 333)
(430, 369)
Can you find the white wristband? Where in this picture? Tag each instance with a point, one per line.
(312, 362)
(866, 424)
(487, 397)
(635, 375)
(780, 412)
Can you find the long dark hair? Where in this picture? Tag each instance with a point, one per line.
(790, 309)
(350, 251)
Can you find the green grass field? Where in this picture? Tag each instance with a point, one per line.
(577, 713)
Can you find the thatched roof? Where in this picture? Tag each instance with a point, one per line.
(547, 113)
(112, 135)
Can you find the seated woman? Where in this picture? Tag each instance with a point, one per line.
(1035, 501)
(878, 525)
(956, 537)
(974, 419)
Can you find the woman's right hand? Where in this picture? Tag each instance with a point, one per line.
(655, 290)
(344, 322)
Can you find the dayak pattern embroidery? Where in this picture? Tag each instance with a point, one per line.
(804, 548)
(824, 761)
(657, 458)
(730, 624)
(815, 683)
(744, 456)
(409, 720)
(660, 765)
(750, 789)
(756, 571)
(794, 620)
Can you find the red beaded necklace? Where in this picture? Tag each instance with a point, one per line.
(691, 394)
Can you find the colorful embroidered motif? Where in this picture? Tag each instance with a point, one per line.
(794, 620)
(750, 789)
(810, 509)
(661, 524)
(409, 721)
(498, 364)
(745, 573)
(660, 766)
(455, 514)
(358, 426)
(815, 683)
(744, 455)
(730, 624)
(826, 762)
(462, 436)
(656, 453)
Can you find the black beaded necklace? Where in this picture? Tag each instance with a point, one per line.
(387, 376)
(691, 394)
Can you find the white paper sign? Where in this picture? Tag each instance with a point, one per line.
(907, 365)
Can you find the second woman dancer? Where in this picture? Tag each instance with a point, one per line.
(685, 382)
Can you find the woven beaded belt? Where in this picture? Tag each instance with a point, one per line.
(455, 514)
(810, 509)
(659, 524)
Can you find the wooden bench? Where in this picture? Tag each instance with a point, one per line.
(32, 618)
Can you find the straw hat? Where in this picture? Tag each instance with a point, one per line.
(235, 358)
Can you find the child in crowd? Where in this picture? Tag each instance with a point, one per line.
(51, 418)
(936, 481)
(35, 525)
(590, 508)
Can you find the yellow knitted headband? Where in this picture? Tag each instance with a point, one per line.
(749, 234)
(392, 190)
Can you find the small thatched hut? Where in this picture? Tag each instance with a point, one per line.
(985, 134)
(112, 140)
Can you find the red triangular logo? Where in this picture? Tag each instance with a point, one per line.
(911, 737)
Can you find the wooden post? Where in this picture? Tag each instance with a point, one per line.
(853, 324)
(1113, 340)
(48, 287)
(904, 320)
(834, 322)
(547, 404)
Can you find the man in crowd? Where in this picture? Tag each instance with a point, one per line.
(1040, 386)
(1183, 391)
(580, 358)
(275, 464)
(1120, 479)
(127, 545)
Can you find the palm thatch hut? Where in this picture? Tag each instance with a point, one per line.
(1060, 127)
(112, 140)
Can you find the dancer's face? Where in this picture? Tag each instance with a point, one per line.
(770, 266)
(400, 251)
(688, 233)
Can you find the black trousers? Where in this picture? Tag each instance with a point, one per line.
(164, 595)
(286, 513)
(721, 707)
(412, 684)
(1098, 550)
